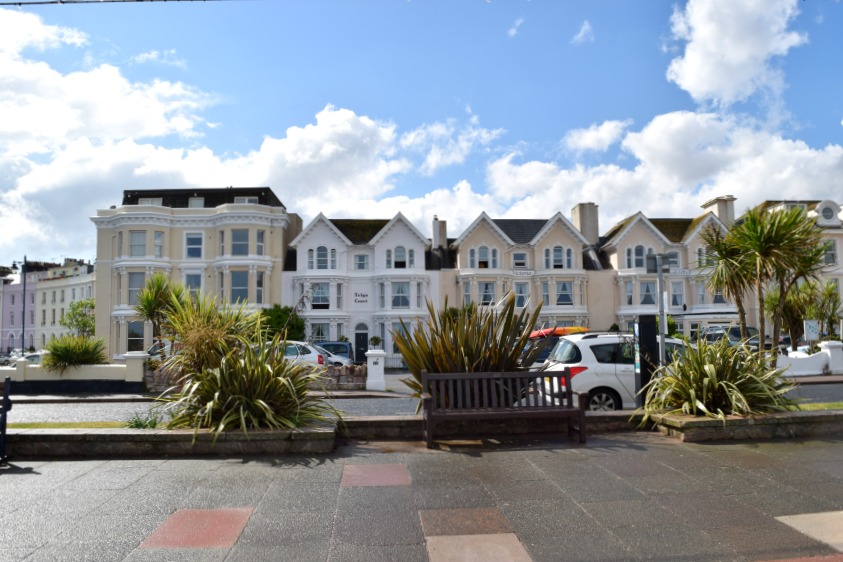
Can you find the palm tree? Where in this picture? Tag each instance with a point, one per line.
(729, 272)
(782, 247)
(154, 300)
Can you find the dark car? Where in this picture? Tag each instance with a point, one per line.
(343, 348)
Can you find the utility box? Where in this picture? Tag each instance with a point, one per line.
(646, 353)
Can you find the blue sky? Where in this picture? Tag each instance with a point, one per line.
(363, 109)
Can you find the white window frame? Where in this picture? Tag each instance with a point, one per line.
(188, 246)
(137, 243)
(400, 292)
(677, 293)
(239, 247)
(521, 294)
(648, 293)
(239, 288)
(361, 262)
(260, 240)
(320, 296)
(564, 293)
(519, 260)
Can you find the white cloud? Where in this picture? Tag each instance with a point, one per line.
(596, 137)
(513, 31)
(584, 35)
(21, 30)
(167, 58)
(448, 143)
(730, 48)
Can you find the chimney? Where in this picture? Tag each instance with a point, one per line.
(723, 208)
(440, 232)
(585, 218)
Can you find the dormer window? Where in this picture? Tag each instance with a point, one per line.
(157, 201)
(519, 260)
(196, 202)
(246, 200)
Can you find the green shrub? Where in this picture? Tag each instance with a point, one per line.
(253, 386)
(717, 380)
(473, 340)
(72, 351)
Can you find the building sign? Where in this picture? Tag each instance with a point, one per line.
(676, 272)
(361, 298)
(522, 273)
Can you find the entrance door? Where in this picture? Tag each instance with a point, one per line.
(361, 346)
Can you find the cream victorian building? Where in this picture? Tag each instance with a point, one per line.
(231, 242)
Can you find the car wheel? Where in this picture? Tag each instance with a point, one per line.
(604, 400)
(337, 364)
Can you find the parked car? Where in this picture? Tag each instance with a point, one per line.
(299, 351)
(333, 359)
(5, 360)
(603, 365)
(548, 337)
(713, 333)
(33, 358)
(343, 348)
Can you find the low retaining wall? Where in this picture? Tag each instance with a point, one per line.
(118, 443)
(768, 426)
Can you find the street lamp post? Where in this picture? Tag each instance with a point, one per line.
(23, 303)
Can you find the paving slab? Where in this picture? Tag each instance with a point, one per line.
(625, 496)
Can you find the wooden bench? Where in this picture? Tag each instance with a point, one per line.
(494, 396)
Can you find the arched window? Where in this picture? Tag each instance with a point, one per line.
(321, 257)
(483, 257)
(333, 258)
(557, 258)
(472, 258)
(389, 259)
(569, 258)
(310, 259)
(494, 258)
(400, 257)
(639, 256)
(547, 258)
(411, 259)
(630, 263)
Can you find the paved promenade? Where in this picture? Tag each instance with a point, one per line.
(626, 496)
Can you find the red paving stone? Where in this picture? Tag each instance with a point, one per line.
(200, 528)
(375, 475)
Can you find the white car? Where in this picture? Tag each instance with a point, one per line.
(603, 365)
(299, 351)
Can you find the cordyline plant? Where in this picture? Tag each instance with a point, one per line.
(717, 380)
(73, 351)
(253, 386)
(471, 340)
(203, 331)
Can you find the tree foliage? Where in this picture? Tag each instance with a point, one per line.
(79, 318)
(284, 320)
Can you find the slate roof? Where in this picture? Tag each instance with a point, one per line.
(520, 231)
(214, 196)
(673, 229)
(359, 231)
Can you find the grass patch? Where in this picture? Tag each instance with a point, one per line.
(821, 406)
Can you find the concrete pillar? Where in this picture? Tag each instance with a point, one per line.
(134, 365)
(375, 359)
(834, 349)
